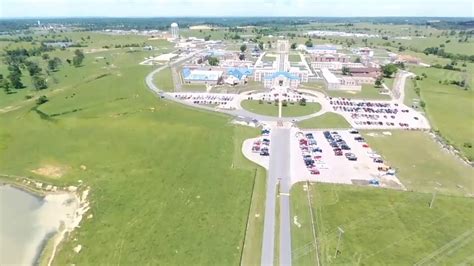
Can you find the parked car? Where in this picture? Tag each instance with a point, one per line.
(351, 156)
(354, 131)
(378, 160)
(345, 147)
(314, 171)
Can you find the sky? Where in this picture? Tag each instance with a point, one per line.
(170, 8)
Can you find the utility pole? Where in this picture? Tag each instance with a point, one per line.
(338, 240)
(433, 198)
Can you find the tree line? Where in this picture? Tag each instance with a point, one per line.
(18, 60)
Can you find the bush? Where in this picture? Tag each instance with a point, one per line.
(467, 145)
(42, 99)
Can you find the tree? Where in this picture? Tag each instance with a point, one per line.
(378, 82)
(213, 61)
(260, 45)
(207, 38)
(241, 56)
(42, 99)
(39, 82)
(309, 43)
(293, 46)
(357, 60)
(303, 102)
(269, 44)
(15, 77)
(243, 47)
(5, 85)
(346, 71)
(78, 58)
(54, 63)
(33, 68)
(389, 69)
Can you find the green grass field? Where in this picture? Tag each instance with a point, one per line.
(294, 58)
(270, 109)
(449, 107)
(422, 169)
(381, 227)
(410, 94)
(152, 200)
(368, 92)
(164, 80)
(327, 120)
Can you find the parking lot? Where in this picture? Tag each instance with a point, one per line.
(338, 156)
(258, 149)
(364, 114)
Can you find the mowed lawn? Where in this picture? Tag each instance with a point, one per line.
(270, 109)
(368, 92)
(381, 227)
(326, 120)
(164, 80)
(421, 164)
(166, 187)
(450, 108)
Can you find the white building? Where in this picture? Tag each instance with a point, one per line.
(202, 76)
(331, 81)
(280, 69)
(335, 65)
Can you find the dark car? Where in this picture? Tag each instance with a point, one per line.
(351, 156)
(345, 147)
(378, 160)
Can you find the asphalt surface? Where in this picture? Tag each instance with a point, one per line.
(279, 172)
(282, 154)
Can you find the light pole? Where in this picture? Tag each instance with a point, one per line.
(338, 240)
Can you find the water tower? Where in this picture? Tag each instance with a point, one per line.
(174, 30)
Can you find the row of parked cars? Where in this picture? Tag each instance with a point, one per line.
(373, 155)
(339, 145)
(262, 146)
(205, 98)
(311, 152)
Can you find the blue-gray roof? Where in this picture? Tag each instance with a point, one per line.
(282, 73)
(239, 72)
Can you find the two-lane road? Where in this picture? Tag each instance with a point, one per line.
(279, 171)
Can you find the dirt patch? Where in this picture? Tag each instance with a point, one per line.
(52, 171)
(95, 50)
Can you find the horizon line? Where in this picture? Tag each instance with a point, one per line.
(232, 16)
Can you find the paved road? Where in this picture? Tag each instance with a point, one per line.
(279, 171)
(282, 139)
(399, 85)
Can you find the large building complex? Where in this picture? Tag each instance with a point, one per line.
(280, 72)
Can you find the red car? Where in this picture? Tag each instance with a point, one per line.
(314, 171)
(338, 152)
(365, 145)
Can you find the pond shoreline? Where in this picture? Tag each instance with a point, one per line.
(60, 210)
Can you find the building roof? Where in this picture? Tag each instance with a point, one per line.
(239, 72)
(211, 75)
(282, 73)
(329, 76)
(363, 69)
(323, 47)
